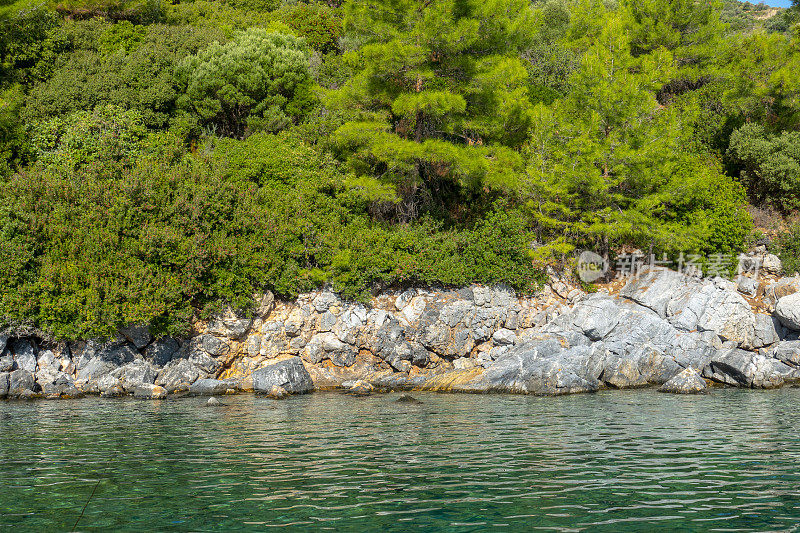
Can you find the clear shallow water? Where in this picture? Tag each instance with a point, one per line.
(613, 461)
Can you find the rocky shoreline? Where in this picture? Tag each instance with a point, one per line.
(661, 329)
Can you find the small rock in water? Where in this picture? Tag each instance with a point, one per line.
(360, 388)
(277, 393)
(213, 402)
(150, 392)
(113, 392)
(687, 382)
(406, 398)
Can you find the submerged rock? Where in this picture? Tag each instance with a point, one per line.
(213, 402)
(687, 382)
(406, 398)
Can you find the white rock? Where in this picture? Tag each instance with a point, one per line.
(413, 310)
(788, 311)
(772, 264)
(504, 337)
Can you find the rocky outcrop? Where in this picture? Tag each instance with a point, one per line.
(662, 327)
(687, 382)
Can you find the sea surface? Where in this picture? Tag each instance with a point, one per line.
(612, 461)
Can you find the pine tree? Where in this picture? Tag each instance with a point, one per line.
(439, 102)
(608, 165)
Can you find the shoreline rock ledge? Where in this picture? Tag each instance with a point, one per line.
(663, 329)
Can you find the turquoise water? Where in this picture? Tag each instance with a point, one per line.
(613, 461)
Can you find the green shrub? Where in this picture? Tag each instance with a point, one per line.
(258, 81)
(787, 247)
(162, 235)
(770, 165)
(128, 66)
(29, 42)
(108, 134)
(318, 24)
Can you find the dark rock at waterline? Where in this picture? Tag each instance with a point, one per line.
(290, 374)
(741, 368)
(208, 386)
(687, 382)
(20, 382)
(406, 398)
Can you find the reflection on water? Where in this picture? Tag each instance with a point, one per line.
(610, 461)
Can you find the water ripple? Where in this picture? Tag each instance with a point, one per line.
(614, 461)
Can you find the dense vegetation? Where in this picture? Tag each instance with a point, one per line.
(162, 160)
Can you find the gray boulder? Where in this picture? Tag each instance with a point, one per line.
(715, 307)
(24, 354)
(746, 285)
(642, 366)
(772, 264)
(211, 345)
(109, 383)
(687, 382)
(230, 325)
(543, 367)
(504, 337)
(4, 384)
(788, 311)
(204, 362)
(21, 381)
(6, 363)
(289, 374)
(747, 369)
(135, 374)
(324, 301)
(62, 386)
(118, 352)
(210, 387)
(660, 289)
(179, 372)
(767, 331)
(595, 317)
(160, 352)
(787, 352)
